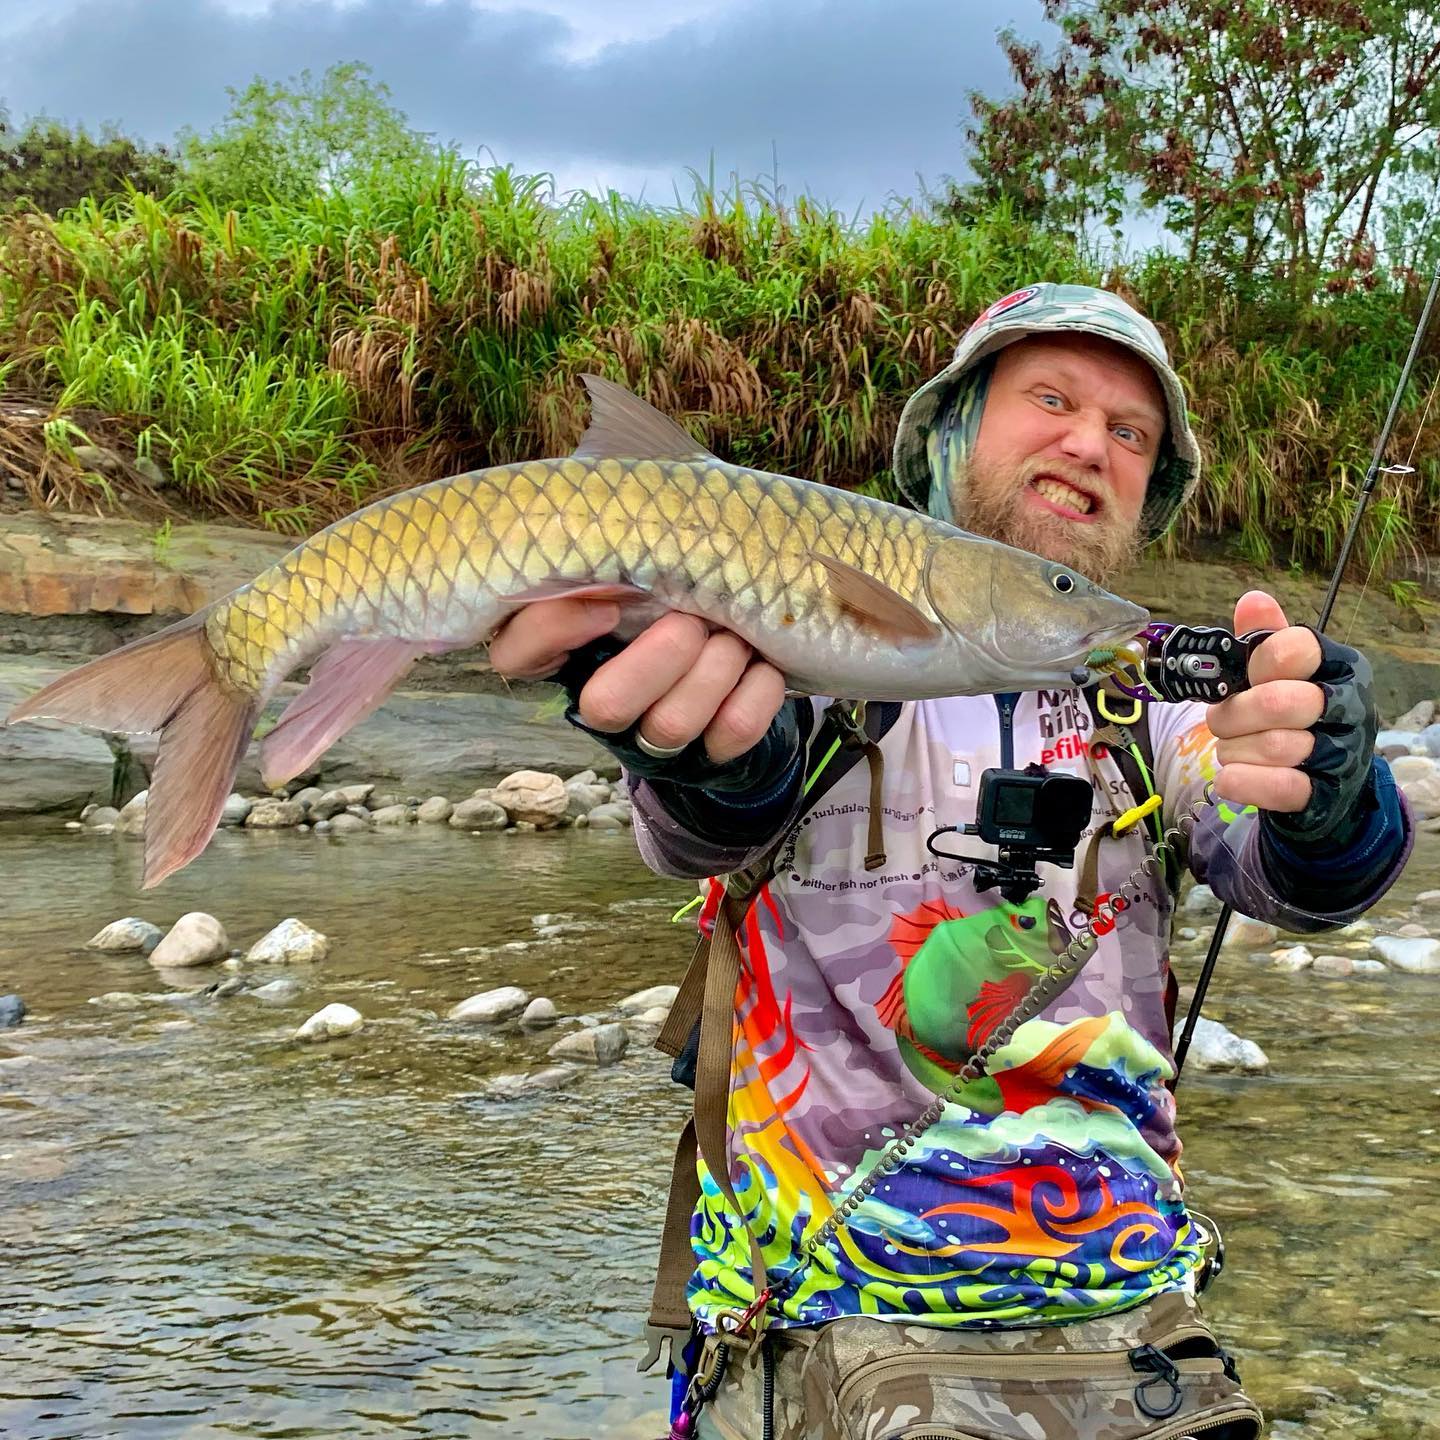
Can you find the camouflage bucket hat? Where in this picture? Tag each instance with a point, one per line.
(1046, 310)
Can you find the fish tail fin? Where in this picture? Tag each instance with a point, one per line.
(165, 682)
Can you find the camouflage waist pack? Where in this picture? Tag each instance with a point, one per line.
(1152, 1373)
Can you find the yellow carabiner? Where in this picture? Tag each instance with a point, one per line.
(1133, 816)
(1102, 704)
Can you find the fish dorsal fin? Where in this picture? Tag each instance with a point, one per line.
(621, 423)
(874, 604)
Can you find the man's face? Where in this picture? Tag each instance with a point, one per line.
(1070, 433)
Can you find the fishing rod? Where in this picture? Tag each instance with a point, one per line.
(1372, 475)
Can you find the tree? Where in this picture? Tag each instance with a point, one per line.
(52, 167)
(1271, 134)
(292, 140)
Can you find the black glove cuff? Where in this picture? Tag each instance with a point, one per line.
(758, 767)
(1342, 797)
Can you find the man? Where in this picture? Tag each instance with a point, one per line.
(1053, 1192)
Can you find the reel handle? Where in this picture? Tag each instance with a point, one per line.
(1199, 662)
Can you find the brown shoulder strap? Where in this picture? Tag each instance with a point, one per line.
(707, 995)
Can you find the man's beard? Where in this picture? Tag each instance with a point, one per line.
(990, 500)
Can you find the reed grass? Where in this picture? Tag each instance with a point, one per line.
(289, 361)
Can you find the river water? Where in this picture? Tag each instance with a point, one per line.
(206, 1230)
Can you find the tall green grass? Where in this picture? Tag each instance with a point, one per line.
(289, 361)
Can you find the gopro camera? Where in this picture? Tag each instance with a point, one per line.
(1030, 816)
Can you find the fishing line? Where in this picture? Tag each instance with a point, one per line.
(1337, 578)
(1400, 471)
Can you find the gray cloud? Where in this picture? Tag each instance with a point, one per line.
(855, 96)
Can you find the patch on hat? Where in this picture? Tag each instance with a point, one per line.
(1008, 302)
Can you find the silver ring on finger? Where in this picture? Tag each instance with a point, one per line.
(659, 752)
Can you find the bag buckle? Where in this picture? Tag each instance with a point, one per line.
(657, 1338)
(1162, 1371)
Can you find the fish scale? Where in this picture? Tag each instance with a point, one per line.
(845, 594)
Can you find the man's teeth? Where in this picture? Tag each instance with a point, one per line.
(1059, 493)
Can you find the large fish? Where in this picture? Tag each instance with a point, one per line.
(844, 594)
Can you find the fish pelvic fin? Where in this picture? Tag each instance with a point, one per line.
(347, 683)
(165, 682)
(874, 604)
(621, 423)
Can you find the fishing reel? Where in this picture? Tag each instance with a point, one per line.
(1030, 816)
(1185, 662)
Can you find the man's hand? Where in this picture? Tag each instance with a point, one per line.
(1264, 732)
(678, 679)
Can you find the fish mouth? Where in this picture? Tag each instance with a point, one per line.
(1101, 644)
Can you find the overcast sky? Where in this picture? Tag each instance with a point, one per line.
(861, 100)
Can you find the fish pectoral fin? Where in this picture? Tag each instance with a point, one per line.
(347, 683)
(874, 604)
(621, 423)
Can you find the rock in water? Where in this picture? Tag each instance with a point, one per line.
(237, 807)
(1391, 744)
(490, 1007)
(533, 796)
(1213, 1047)
(1293, 958)
(130, 935)
(131, 820)
(1423, 796)
(194, 939)
(583, 797)
(291, 940)
(435, 811)
(1417, 717)
(277, 992)
(392, 815)
(347, 824)
(1416, 957)
(1409, 768)
(275, 815)
(97, 815)
(512, 1087)
(656, 997)
(1247, 934)
(12, 1011)
(1200, 900)
(333, 1020)
(478, 813)
(611, 816)
(539, 1012)
(599, 1045)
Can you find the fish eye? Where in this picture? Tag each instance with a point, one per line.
(1024, 922)
(1063, 581)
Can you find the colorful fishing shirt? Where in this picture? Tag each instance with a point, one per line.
(1053, 1190)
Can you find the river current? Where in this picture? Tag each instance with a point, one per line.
(208, 1230)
